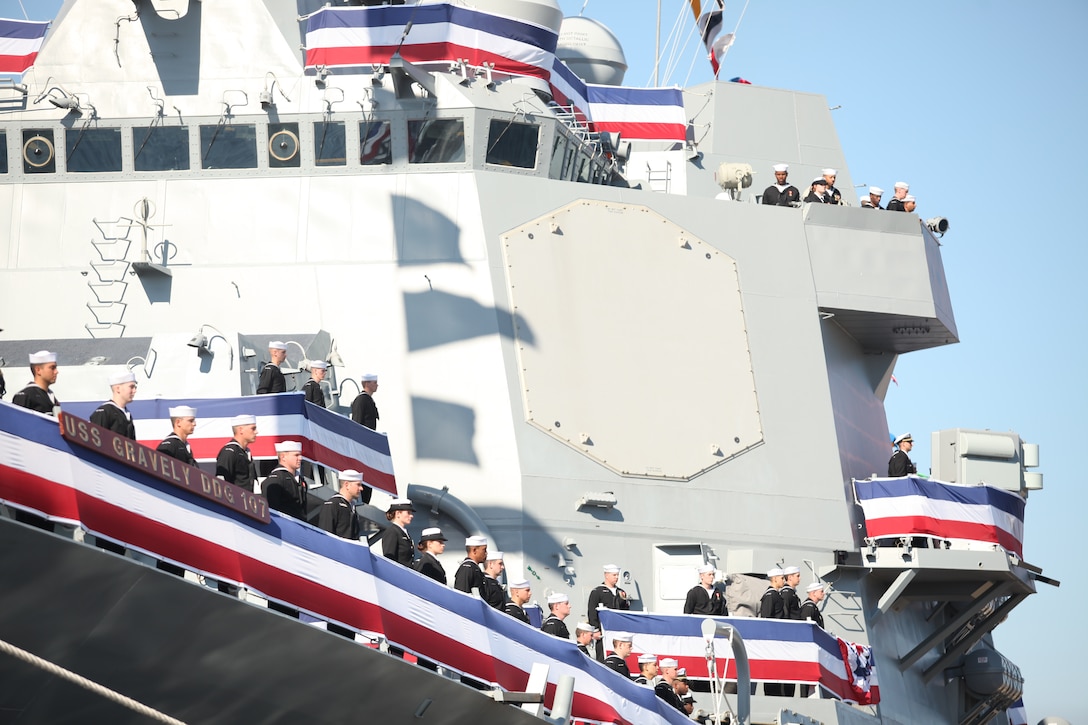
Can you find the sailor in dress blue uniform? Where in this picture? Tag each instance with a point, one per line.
(272, 380)
(176, 444)
(113, 414)
(396, 542)
(37, 395)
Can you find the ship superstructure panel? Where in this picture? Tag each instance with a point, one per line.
(605, 366)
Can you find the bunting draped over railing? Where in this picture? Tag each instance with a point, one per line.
(303, 567)
(778, 651)
(655, 114)
(20, 41)
(439, 33)
(442, 33)
(327, 438)
(911, 506)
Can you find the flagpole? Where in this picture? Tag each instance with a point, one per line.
(657, 43)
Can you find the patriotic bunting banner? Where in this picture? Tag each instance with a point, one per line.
(911, 506)
(303, 567)
(327, 438)
(20, 41)
(569, 90)
(778, 651)
(655, 114)
(439, 33)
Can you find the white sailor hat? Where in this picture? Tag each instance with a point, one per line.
(791, 570)
(318, 365)
(903, 437)
(819, 180)
(814, 586)
(775, 572)
(494, 556)
(432, 534)
(520, 584)
(350, 474)
(908, 197)
(876, 191)
(42, 356)
(586, 627)
(289, 447)
(829, 172)
(370, 378)
(400, 504)
(243, 420)
(277, 345)
(646, 659)
(669, 662)
(182, 411)
(902, 185)
(476, 541)
(122, 378)
(622, 637)
(558, 598)
(781, 167)
(611, 569)
(705, 569)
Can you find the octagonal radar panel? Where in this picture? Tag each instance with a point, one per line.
(631, 340)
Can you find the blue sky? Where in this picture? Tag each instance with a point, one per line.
(981, 107)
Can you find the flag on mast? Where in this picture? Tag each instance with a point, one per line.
(20, 41)
(710, 28)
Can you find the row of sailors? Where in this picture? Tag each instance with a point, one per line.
(822, 191)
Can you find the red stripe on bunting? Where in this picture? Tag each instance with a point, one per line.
(207, 449)
(941, 528)
(16, 63)
(647, 131)
(442, 52)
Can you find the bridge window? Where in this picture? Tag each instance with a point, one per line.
(161, 148)
(228, 147)
(39, 155)
(513, 144)
(330, 144)
(92, 150)
(283, 146)
(375, 143)
(3, 152)
(437, 141)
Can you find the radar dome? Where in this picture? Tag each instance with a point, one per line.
(540, 12)
(591, 51)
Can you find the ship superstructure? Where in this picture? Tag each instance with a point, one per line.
(583, 353)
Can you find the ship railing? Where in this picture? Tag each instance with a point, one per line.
(291, 564)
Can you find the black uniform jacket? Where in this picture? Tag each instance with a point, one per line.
(468, 576)
(811, 610)
(493, 592)
(110, 416)
(35, 398)
(338, 517)
(770, 606)
(286, 493)
(774, 197)
(615, 662)
(554, 625)
(603, 595)
(664, 690)
(791, 605)
(313, 392)
(397, 545)
(234, 464)
(700, 601)
(901, 465)
(516, 612)
(364, 411)
(272, 380)
(427, 565)
(175, 447)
